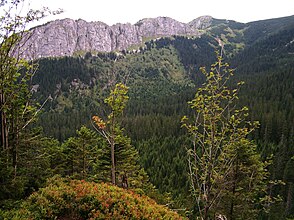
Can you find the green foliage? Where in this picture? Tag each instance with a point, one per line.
(77, 199)
(161, 79)
(223, 164)
(164, 159)
(125, 170)
(117, 100)
(81, 154)
(157, 99)
(17, 109)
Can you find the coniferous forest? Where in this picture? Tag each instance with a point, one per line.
(185, 127)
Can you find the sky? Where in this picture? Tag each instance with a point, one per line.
(131, 11)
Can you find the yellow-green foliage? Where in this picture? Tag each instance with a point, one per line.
(78, 199)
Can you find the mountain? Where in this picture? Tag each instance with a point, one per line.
(163, 77)
(69, 37)
(164, 67)
(66, 37)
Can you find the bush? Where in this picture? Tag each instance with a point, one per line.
(78, 199)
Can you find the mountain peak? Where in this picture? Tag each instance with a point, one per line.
(201, 22)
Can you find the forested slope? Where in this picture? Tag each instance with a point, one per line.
(162, 77)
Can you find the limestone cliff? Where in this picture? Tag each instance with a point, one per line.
(65, 37)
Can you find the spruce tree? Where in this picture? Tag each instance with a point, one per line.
(81, 154)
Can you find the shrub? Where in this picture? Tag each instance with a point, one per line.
(78, 199)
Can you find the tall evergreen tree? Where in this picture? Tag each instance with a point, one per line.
(81, 154)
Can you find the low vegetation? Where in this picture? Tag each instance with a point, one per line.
(78, 199)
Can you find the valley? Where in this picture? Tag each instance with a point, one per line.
(159, 60)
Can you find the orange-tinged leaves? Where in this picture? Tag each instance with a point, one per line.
(99, 122)
(89, 200)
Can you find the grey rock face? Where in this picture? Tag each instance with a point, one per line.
(67, 36)
(162, 26)
(201, 22)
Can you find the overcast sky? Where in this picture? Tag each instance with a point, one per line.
(123, 11)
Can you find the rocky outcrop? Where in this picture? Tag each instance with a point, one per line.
(67, 36)
(163, 26)
(201, 22)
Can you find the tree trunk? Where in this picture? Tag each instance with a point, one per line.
(289, 204)
(112, 163)
(4, 130)
(84, 161)
(206, 210)
(15, 142)
(233, 190)
(112, 146)
(232, 201)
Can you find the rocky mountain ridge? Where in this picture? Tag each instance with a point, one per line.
(66, 37)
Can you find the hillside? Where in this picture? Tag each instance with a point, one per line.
(159, 60)
(163, 76)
